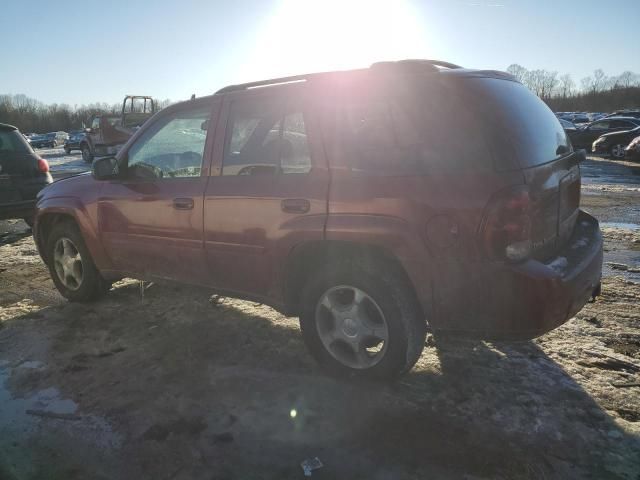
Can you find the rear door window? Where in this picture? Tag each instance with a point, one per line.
(265, 137)
(621, 124)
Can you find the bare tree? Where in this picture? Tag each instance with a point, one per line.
(567, 85)
(549, 84)
(517, 71)
(628, 79)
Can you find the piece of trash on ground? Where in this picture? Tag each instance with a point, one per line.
(311, 464)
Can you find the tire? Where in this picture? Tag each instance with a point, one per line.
(65, 238)
(388, 300)
(617, 151)
(86, 153)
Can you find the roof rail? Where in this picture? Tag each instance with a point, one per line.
(419, 63)
(264, 83)
(415, 63)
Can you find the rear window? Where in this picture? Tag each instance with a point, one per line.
(517, 123)
(12, 141)
(404, 128)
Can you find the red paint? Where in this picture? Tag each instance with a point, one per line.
(240, 230)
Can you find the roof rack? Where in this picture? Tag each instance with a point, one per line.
(418, 64)
(264, 83)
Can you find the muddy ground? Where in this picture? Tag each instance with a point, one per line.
(168, 384)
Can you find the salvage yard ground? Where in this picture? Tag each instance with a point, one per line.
(168, 383)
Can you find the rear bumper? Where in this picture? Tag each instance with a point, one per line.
(524, 301)
(24, 205)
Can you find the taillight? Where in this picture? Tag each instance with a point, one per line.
(506, 226)
(43, 166)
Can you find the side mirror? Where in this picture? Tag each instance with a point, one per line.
(105, 168)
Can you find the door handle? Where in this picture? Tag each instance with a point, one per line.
(295, 205)
(183, 203)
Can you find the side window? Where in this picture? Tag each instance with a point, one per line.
(295, 156)
(621, 124)
(600, 125)
(95, 124)
(172, 148)
(263, 139)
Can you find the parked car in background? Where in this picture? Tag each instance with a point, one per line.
(74, 141)
(22, 175)
(347, 199)
(624, 113)
(50, 140)
(585, 136)
(576, 118)
(632, 152)
(614, 143)
(567, 125)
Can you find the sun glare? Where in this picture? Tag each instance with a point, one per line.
(321, 35)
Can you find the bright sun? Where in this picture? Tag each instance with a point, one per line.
(317, 35)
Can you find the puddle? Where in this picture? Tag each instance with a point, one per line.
(620, 225)
(53, 423)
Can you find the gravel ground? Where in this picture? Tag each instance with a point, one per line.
(164, 383)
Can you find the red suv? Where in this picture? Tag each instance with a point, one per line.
(370, 203)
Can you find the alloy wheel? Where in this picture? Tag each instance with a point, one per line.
(617, 151)
(67, 263)
(352, 327)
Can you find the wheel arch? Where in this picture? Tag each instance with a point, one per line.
(67, 209)
(310, 256)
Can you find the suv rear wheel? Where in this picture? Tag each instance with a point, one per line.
(86, 153)
(360, 322)
(72, 269)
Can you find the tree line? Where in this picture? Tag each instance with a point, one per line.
(30, 115)
(596, 93)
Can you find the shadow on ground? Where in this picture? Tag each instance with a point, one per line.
(197, 391)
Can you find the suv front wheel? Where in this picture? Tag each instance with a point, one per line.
(358, 321)
(71, 266)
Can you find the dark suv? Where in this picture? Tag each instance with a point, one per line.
(348, 199)
(22, 175)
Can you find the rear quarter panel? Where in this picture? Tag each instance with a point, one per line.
(429, 223)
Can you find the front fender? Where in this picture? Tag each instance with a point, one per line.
(74, 208)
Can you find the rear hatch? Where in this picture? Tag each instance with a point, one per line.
(17, 162)
(525, 134)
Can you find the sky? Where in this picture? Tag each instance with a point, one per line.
(97, 51)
